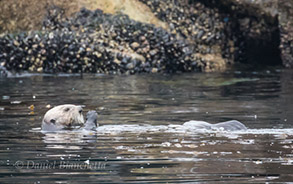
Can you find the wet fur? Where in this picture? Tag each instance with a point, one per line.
(232, 125)
(91, 121)
(62, 116)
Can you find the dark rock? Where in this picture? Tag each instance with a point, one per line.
(286, 31)
(4, 72)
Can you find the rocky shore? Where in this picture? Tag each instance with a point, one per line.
(91, 41)
(286, 31)
(266, 27)
(184, 36)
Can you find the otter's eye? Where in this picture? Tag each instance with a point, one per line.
(66, 109)
(80, 111)
(53, 121)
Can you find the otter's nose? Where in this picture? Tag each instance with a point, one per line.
(53, 121)
(80, 109)
(49, 121)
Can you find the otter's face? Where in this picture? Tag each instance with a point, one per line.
(63, 116)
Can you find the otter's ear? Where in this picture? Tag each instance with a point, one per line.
(66, 109)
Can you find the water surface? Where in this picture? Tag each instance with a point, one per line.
(139, 139)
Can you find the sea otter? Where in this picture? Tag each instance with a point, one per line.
(62, 116)
(232, 125)
(65, 116)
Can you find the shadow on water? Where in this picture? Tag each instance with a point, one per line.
(141, 138)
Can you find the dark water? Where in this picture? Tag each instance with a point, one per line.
(138, 140)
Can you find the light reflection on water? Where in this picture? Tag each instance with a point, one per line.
(153, 147)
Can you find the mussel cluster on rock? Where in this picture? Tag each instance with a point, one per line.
(93, 41)
(286, 31)
(287, 45)
(253, 27)
(204, 27)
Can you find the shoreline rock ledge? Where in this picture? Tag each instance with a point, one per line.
(144, 36)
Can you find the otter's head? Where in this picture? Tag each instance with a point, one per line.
(62, 116)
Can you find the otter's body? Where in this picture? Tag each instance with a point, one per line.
(232, 125)
(64, 116)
